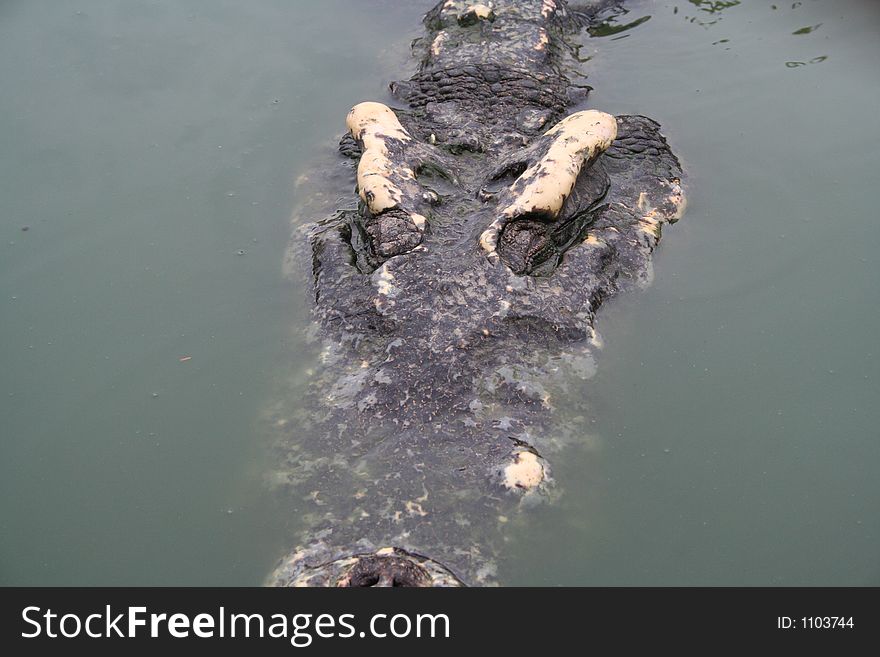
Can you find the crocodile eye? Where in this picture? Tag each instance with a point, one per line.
(549, 204)
(524, 245)
(535, 241)
(393, 215)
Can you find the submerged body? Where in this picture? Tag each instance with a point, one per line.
(492, 223)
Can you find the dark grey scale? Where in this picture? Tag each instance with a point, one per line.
(440, 363)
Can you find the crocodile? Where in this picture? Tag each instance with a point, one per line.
(456, 291)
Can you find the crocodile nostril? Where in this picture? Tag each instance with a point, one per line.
(388, 572)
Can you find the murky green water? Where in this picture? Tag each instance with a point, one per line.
(145, 144)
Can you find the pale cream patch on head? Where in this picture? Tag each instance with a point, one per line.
(548, 182)
(384, 281)
(675, 199)
(671, 210)
(437, 44)
(651, 228)
(651, 219)
(543, 40)
(418, 220)
(524, 472)
(374, 121)
(547, 8)
(480, 11)
(415, 509)
(373, 124)
(503, 309)
(678, 200)
(595, 339)
(376, 188)
(489, 240)
(489, 237)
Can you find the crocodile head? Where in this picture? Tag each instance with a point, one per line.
(491, 222)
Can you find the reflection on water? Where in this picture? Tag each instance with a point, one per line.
(714, 6)
(711, 7)
(611, 27)
(815, 60)
(715, 9)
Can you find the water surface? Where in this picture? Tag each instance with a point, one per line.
(150, 148)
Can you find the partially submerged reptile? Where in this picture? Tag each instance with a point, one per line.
(492, 221)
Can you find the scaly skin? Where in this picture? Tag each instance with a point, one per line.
(459, 295)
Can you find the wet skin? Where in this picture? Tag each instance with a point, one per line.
(492, 221)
